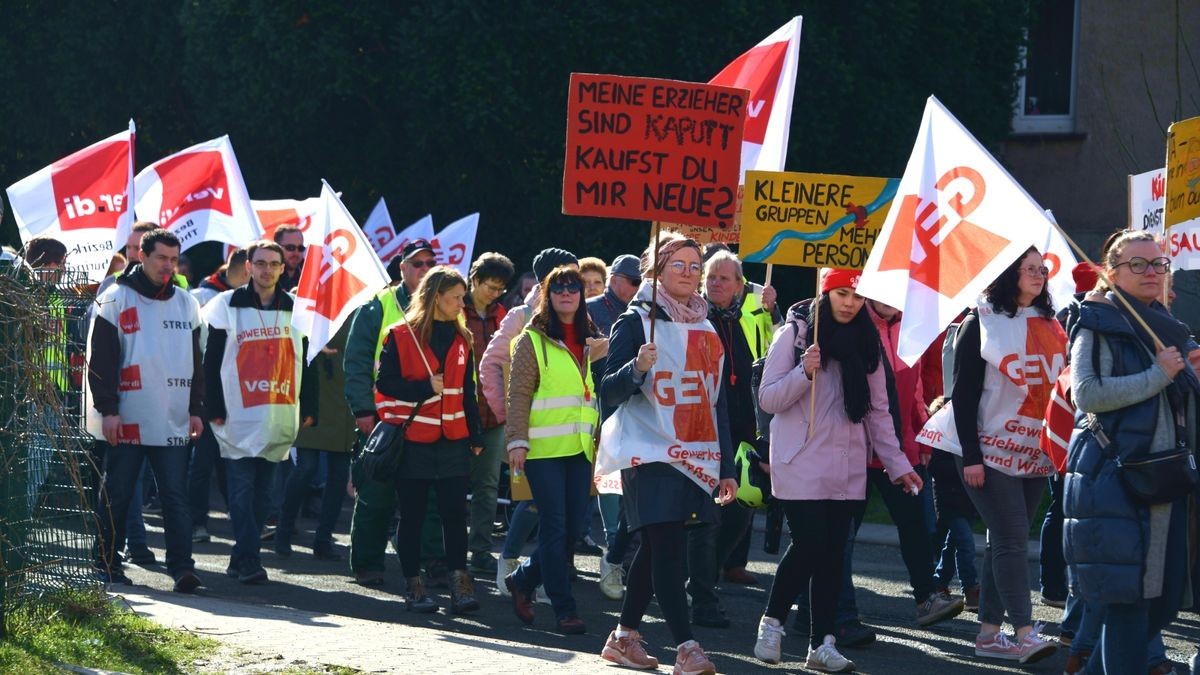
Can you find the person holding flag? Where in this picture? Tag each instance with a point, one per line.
(258, 392)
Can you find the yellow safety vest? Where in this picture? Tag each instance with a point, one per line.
(391, 314)
(55, 350)
(757, 325)
(563, 416)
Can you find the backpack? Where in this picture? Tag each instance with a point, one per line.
(950, 353)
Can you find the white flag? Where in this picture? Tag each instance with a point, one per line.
(422, 229)
(958, 220)
(82, 200)
(379, 228)
(455, 244)
(199, 195)
(768, 70)
(275, 213)
(340, 273)
(1058, 257)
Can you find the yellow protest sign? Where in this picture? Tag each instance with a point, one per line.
(1182, 213)
(813, 219)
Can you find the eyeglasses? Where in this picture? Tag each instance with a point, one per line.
(1139, 265)
(494, 288)
(679, 266)
(421, 264)
(571, 287)
(293, 248)
(1036, 271)
(263, 264)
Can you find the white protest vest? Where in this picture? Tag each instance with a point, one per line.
(260, 374)
(675, 419)
(154, 392)
(1026, 353)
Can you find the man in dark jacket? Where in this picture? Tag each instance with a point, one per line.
(146, 382)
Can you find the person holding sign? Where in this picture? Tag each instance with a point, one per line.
(1009, 351)
(818, 455)
(426, 366)
(552, 419)
(669, 438)
(1128, 559)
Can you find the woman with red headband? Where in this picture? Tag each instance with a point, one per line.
(819, 452)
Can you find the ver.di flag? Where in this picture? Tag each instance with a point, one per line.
(82, 200)
(768, 70)
(957, 221)
(455, 244)
(340, 273)
(199, 195)
(273, 214)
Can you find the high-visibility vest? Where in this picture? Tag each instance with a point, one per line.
(392, 312)
(443, 415)
(757, 325)
(54, 352)
(563, 416)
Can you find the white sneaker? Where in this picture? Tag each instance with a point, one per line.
(505, 567)
(827, 658)
(769, 647)
(540, 597)
(612, 580)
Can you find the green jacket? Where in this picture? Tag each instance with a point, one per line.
(361, 348)
(335, 428)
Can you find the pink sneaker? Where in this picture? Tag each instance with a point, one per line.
(997, 646)
(1034, 648)
(628, 651)
(691, 660)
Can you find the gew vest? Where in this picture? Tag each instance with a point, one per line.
(563, 415)
(441, 416)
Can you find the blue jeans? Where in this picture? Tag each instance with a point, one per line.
(250, 481)
(135, 522)
(521, 524)
(958, 554)
(122, 467)
(205, 456)
(299, 481)
(561, 487)
(1053, 562)
(610, 515)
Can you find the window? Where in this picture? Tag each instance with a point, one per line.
(1046, 72)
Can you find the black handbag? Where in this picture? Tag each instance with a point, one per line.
(1153, 478)
(384, 450)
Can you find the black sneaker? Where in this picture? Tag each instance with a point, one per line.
(283, 545)
(483, 562)
(114, 575)
(250, 571)
(141, 555)
(586, 546)
(324, 550)
(187, 582)
(854, 634)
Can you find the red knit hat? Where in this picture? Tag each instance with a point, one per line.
(1085, 276)
(838, 278)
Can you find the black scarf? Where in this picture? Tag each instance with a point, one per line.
(1171, 332)
(731, 313)
(856, 346)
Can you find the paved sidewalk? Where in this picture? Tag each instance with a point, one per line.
(370, 646)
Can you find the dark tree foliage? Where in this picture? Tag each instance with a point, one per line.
(453, 106)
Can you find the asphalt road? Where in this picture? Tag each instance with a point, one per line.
(305, 583)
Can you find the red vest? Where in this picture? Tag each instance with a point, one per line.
(442, 416)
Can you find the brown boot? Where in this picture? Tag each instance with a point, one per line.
(462, 593)
(416, 600)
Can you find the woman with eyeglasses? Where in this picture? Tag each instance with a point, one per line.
(552, 420)
(427, 374)
(1009, 351)
(1135, 396)
(669, 440)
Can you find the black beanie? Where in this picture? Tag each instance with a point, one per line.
(545, 262)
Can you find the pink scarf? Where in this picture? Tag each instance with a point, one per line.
(694, 310)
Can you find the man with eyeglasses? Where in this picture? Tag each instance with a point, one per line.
(258, 391)
(291, 240)
(375, 502)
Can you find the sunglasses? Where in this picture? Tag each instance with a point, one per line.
(571, 287)
(421, 264)
(1139, 265)
(294, 248)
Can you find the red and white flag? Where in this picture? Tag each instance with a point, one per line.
(455, 244)
(957, 221)
(1060, 260)
(275, 213)
(769, 71)
(82, 200)
(340, 273)
(199, 195)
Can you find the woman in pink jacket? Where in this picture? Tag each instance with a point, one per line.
(819, 466)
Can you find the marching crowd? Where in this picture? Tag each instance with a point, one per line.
(694, 391)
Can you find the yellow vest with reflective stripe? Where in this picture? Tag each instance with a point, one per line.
(563, 416)
(391, 314)
(55, 350)
(757, 325)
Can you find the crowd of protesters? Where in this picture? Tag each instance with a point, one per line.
(652, 374)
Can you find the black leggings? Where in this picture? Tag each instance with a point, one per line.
(413, 498)
(819, 530)
(659, 570)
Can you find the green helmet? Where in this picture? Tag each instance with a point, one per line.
(754, 485)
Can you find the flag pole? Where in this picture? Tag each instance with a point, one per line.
(654, 286)
(812, 394)
(1158, 344)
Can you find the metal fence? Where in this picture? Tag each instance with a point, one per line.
(47, 476)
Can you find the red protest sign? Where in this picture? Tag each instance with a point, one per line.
(648, 149)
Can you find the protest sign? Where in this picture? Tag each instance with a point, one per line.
(1182, 210)
(649, 149)
(1147, 200)
(701, 235)
(82, 200)
(813, 219)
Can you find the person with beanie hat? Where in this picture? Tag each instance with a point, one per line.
(818, 463)
(550, 258)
